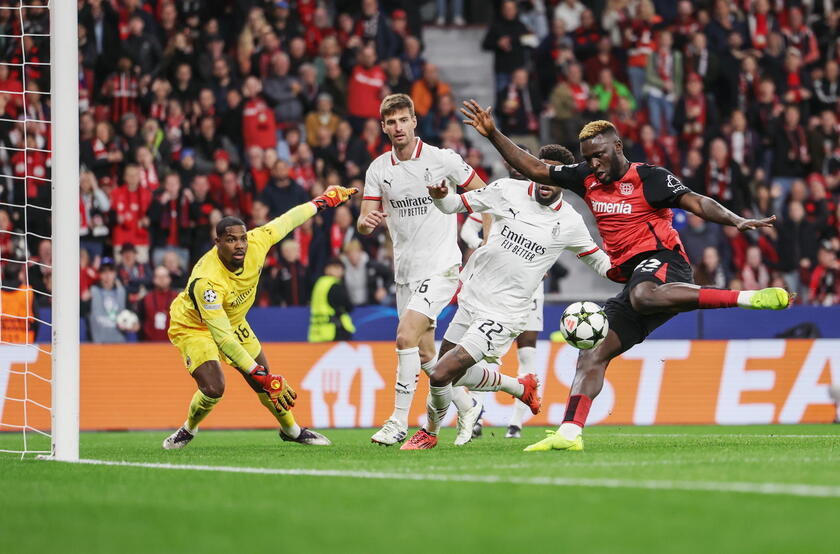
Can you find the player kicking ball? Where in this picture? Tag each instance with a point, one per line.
(426, 254)
(208, 321)
(632, 206)
(531, 226)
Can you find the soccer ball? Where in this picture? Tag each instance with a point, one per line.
(584, 325)
(127, 320)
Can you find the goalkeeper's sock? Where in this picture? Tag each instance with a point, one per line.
(408, 372)
(287, 421)
(480, 377)
(200, 406)
(436, 406)
(526, 355)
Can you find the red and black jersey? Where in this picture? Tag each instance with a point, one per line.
(633, 213)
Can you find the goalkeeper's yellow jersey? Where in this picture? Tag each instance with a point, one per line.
(217, 299)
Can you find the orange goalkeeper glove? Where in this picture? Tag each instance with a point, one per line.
(281, 394)
(334, 196)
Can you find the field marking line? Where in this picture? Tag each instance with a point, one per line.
(721, 435)
(787, 489)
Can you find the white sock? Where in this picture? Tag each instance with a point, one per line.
(427, 367)
(436, 406)
(526, 356)
(480, 377)
(292, 431)
(744, 298)
(408, 372)
(570, 431)
(462, 399)
(190, 431)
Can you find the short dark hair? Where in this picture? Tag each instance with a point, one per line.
(556, 153)
(225, 222)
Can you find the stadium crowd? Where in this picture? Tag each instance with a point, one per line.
(193, 110)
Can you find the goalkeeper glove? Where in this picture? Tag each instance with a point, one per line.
(281, 394)
(334, 196)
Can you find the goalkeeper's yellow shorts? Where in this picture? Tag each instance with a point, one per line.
(197, 345)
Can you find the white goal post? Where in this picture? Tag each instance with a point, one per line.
(64, 79)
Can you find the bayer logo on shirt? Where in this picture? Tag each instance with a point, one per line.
(625, 188)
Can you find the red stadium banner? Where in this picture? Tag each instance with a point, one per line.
(145, 386)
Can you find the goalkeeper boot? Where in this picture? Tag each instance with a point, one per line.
(467, 422)
(420, 441)
(513, 432)
(530, 396)
(307, 436)
(773, 298)
(555, 441)
(390, 434)
(179, 439)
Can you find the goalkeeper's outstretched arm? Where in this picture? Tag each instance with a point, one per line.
(281, 226)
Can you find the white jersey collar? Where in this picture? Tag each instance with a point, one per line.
(414, 155)
(532, 192)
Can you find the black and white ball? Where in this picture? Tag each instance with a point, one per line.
(584, 325)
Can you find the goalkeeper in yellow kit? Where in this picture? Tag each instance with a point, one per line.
(208, 320)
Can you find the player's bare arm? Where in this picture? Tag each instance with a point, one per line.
(370, 217)
(711, 210)
(482, 121)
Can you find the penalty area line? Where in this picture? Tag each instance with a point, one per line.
(785, 489)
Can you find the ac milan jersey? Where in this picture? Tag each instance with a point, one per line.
(425, 239)
(633, 213)
(525, 239)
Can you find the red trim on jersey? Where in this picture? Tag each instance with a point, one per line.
(588, 252)
(470, 178)
(466, 204)
(559, 205)
(662, 273)
(378, 198)
(531, 189)
(419, 148)
(474, 218)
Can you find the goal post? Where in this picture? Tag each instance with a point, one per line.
(64, 79)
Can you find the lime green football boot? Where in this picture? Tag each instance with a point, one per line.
(773, 298)
(554, 441)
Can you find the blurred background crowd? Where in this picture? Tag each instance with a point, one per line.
(193, 110)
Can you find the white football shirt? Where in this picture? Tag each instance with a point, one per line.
(525, 240)
(425, 239)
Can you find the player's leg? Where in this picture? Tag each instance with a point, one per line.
(589, 380)
(666, 293)
(526, 351)
(201, 358)
(411, 330)
(290, 431)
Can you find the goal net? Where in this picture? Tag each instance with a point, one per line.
(39, 228)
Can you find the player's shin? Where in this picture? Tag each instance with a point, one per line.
(287, 421)
(480, 377)
(200, 406)
(408, 371)
(436, 406)
(526, 355)
(577, 410)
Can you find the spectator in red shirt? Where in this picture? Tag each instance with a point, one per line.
(824, 289)
(130, 202)
(801, 37)
(169, 220)
(365, 89)
(123, 90)
(154, 309)
(259, 127)
(230, 197)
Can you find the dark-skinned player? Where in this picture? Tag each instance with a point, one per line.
(208, 320)
(632, 206)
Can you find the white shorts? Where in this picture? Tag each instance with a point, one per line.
(535, 315)
(428, 296)
(481, 337)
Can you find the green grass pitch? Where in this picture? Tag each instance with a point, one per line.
(635, 489)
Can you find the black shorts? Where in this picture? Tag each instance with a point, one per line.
(661, 266)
